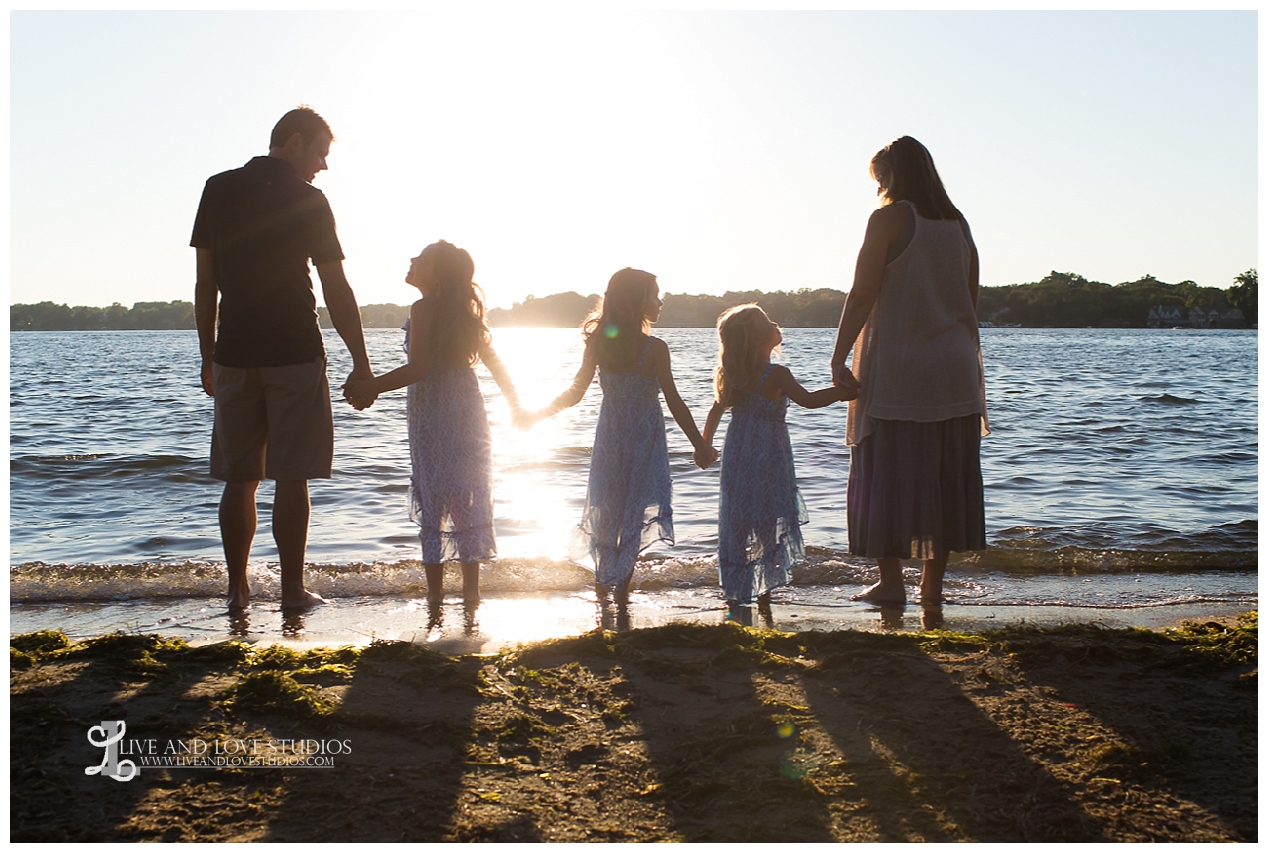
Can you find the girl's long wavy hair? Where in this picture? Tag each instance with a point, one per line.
(739, 354)
(914, 178)
(459, 330)
(618, 320)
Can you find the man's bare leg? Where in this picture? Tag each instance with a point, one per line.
(290, 531)
(931, 581)
(237, 531)
(889, 590)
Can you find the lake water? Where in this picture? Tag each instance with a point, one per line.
(1121, 472)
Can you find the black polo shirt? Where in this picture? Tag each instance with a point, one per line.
(263, 223)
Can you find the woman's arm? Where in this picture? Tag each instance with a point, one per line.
(421, 314)
(783, 379)
(572, 396)
(883, 228)
(677, 407)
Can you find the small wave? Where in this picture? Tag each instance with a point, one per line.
(1168, 399)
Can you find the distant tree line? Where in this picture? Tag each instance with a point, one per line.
(1068, 300)
(1060, 300)
(46, 316)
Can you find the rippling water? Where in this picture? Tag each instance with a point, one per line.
(1127, 458)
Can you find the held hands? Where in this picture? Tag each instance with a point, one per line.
(705, 456)
(356, 390)
(522, 418)
(844, 379)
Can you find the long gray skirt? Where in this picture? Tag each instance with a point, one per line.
(915, 490)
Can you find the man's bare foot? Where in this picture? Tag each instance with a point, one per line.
(878, 593)
(301, 600)
(763, 604)
(239, 599)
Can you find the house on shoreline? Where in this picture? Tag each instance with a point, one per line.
(1172, 316)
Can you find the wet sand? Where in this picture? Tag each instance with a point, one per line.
(503, 621)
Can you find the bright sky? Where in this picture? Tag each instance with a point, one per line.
(720, 151)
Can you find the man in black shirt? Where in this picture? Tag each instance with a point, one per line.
(256, 230)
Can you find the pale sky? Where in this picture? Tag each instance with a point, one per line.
(720, 151)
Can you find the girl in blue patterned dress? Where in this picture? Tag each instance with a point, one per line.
(760, 512)
(451, 487)
(628, 499)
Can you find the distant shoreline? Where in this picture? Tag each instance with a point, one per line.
(1060, 300)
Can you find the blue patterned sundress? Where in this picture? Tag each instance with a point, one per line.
(628, 499)
(451, 459)
(760, 512)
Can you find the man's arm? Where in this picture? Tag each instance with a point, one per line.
(205, 292)
(346, 317)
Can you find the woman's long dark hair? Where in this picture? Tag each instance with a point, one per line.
(458, 330)
(914, 178)
(615, 326)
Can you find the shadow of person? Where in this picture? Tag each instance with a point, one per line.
(160, 690)
(924, 761)
(407, 716)
(1188, 726)
(718, 750)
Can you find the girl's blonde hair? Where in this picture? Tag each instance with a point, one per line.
(614, 326)
(739, 354)
(459, 329)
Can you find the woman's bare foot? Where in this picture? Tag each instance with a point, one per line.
(881, 593)
(301, 599)
(932, 598)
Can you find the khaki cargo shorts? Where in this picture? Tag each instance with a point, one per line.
(272, 423)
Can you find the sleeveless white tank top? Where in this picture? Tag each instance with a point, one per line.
(918, 357)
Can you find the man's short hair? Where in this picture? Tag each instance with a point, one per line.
(302, 120)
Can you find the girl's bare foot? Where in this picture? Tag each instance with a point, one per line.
(622, 592)
(880, 593)
(435, 573)
(471, 583)
(763, 605)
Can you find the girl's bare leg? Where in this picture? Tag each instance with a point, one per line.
(931, 581)
(889, 590)
(470, 582)
(435, 582)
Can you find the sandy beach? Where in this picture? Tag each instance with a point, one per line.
(677, 732)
